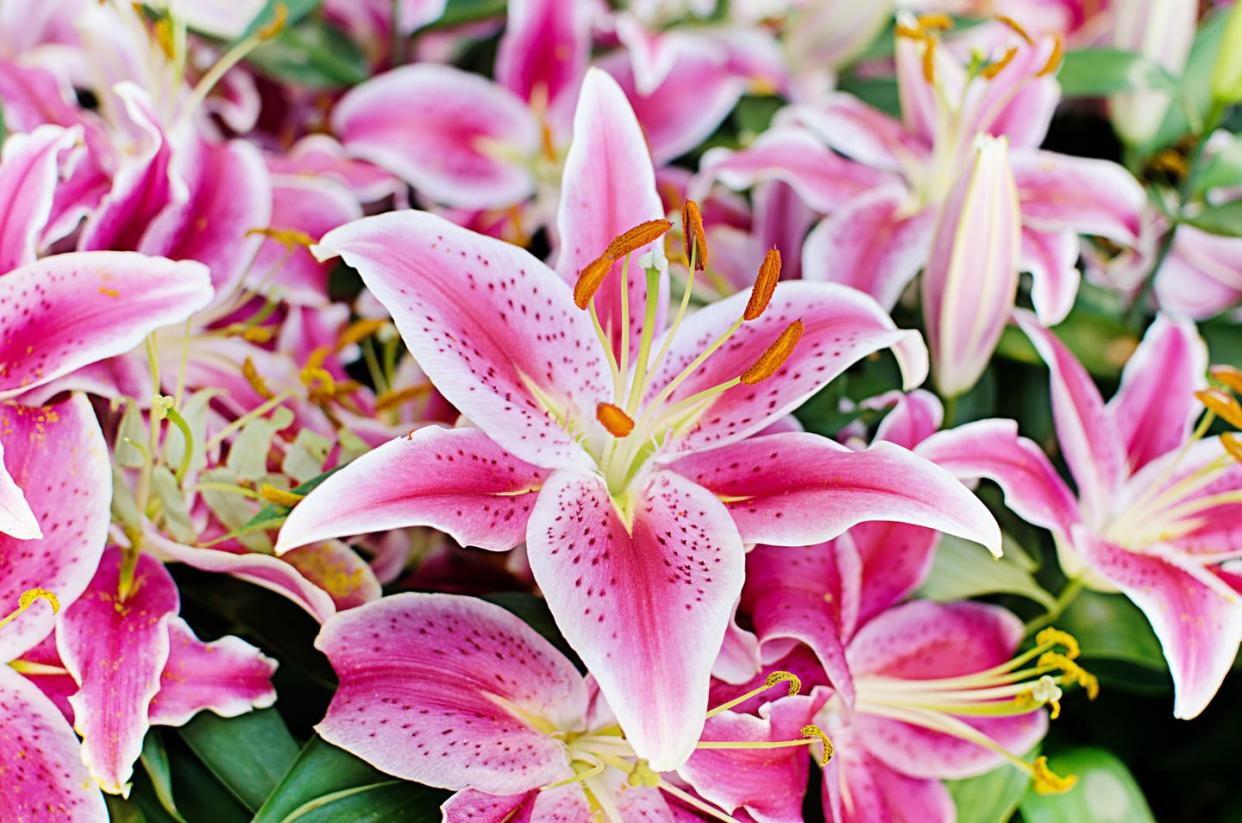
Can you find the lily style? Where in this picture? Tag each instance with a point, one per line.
(458, 693)
(634, 481)
(1155, 515)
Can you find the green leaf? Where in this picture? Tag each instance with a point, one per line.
(461, 12)
(1223, 169)
(312, 54)
(1104, 71)
(248, 754)
(963, 569)
(1110, 627)
(991, 797)
(1225, 219)
(1194, 95)
(295, 10)
(155, 763)
(1106, 792)
(880, 92)
(328, 784)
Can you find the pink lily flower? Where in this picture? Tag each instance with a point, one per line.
(1157, 506)
(882, 201)
(458, 693)
(612, 452)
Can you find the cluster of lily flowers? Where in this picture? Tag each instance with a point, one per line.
(185, 382)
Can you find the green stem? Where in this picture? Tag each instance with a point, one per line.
(1072, 589)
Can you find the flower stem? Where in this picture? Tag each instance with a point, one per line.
(1063, 601)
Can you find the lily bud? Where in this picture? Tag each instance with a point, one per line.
(1227, 73)
(1162, 30)
(972, 273)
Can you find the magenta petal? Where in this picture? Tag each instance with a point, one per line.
(427, 682)
(544, 48)
(66, 311)
(768, 784)
(645, 606)
(44, 777)
(456, 137)
(1196, 616)
(914, 418)
(799, 489)
(228, 194)
(1086, 195)
(860, 788)
(895, 558)
(824, 180)
(1052, 260)
(29, 173)
(456, 480)
(1089, 437)
(608, 186)
(859, 131)
(872, 244)
(920, 752)
(227, 676)
(58, 456)
(337, 569)
(840, 327)
(263, 570)
(116, 651)
(472, 806)
(924, 640)
(483, 317)
(1155, 406)
(993, 449)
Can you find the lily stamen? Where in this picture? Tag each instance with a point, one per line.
(795, 686)
(811, 734)
(27, 600)
(765, 284)
(775, 355)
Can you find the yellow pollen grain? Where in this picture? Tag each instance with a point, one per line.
(775, 356)
(765, 284)
(634, 239)
(107, 291)
(614, 419)
(1222, 404)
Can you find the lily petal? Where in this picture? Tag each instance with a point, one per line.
(871, 244)
(1086, 195)
(608, 187)
(116, 650)
(1090, 439)
(57, 454)
(840, 327)
(456, 137)
(1196, 616)
(455, 480)
(1051, 258)
(446, 690)
(228, 676)
(1155, 406)
(485, 320)
(798, 489)
(16, 518)
(645, 605)
(29, 172)
(860, 788)
(337, 569)
(857, 130)
(993, 449)
(68, 310)
(45, 778)
(544, 49)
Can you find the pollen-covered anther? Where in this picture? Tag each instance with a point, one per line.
(1016, 26)
(256, 380)
(1227, 376)
(279, 18)
(1054, 59)
(929, 61)
(992, 69)
(935, 21)
(1054, 636)
(775, 356)
(28, 599)
(278, 496)
(765, 284)
(634, 239)
(812, 731)
(1222, 404)
(694, 239)
(614, 419)
(1071, 672)
(1233, 446)
(1046, 781)
(795, 684)
(590, 279)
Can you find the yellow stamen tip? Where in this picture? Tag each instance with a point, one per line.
(929, 62)
(795, 684)
(256, 381)
(936, 21)
(279, 19)
(1232, 445)
(1046, 781)
(775, 356)
(27, 600)
(765, 284)
(812, 731)
(1222, 404)
(279, 496)
(634, 239)
(614, 419)
(1227, 376)
(1016, 26)
(993, 69)
(1054, 636)
(1054, 59)
(693, 237)
(590, 279)
(910, 33)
